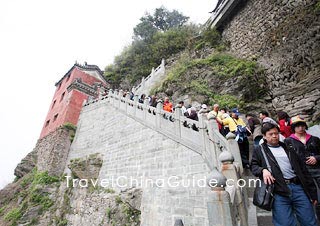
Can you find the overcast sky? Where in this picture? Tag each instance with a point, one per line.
(41, 40)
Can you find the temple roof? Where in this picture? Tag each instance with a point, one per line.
(85, 66)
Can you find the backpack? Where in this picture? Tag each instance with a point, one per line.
(241, 132)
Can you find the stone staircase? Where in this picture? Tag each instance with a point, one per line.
(256, 216)
(221, 155)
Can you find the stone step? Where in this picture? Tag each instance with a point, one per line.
(264, 217)
(256, 216)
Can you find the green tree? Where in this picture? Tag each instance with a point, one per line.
(161, 20)
(156, 37)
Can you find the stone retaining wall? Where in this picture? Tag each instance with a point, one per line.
(52, 151)
(132, 150)
(284, 37)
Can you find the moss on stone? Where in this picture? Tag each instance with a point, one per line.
(70, 126)
(221, 67)
(37, 197)
(132, 214)
(109, 190)
(44, 178)
(13, 215)
(118, 199)
(62, 222)
(109, 213)
(72, 129)
(317, 7)
(87, 167)
(2, 209)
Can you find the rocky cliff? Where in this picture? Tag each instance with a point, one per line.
(268, 59)
(284, 38)
(47, 197)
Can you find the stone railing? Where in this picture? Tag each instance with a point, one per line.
(226, 205)
(147, 83)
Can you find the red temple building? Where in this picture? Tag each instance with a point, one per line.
(77, 85)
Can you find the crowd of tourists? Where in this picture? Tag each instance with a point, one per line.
(284, 155)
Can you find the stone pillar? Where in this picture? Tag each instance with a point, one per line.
(204, 138)
(121, 93)
(234, 149)
(213, 125)
(152, 72)
(128, 96)
(145, 105)
(121, 105)
(117, 99)
(219, 203)
(178, 222)
(135, 104)
(116, 92)
(177, 122)
(159, 115)
(162, 62)
(110, 97)
(143, 82)
(239, 195)
(84, 103)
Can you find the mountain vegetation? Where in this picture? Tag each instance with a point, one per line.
(201, 65)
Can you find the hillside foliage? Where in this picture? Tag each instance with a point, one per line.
(156, 37)
(165, 34)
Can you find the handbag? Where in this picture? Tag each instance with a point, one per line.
(263, 195)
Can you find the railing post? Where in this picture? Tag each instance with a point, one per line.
(202, 132)
(213, 125)
(177, 123)
(145, 105)
(119, 99)
(158, 116)
(121, 93)
(152, 73)
(110, 96)
(234, 149)
(127, 102)
(178, 222)
(143, 82)
(115, 96)
(120, 96)
(219, 203)
(229, 170)
(135, 104)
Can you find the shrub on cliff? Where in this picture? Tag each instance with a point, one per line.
(156, 37)
(209, 76)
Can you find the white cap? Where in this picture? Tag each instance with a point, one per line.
(204, 106)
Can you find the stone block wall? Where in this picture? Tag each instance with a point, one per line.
(131, 150)
(284, 37)
(52, 151)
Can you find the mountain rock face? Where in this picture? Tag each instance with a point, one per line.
(284, 37)
(47, 197)
(26, 165)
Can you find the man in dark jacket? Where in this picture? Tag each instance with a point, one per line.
(294, 190)
(308, 149)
